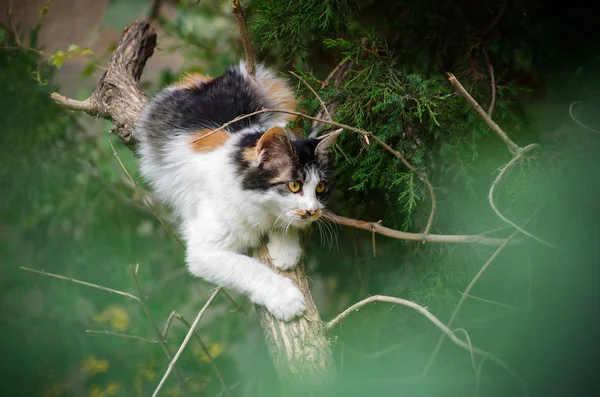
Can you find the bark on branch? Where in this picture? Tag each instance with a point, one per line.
(118, 96)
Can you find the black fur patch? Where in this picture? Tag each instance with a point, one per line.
(188, 110)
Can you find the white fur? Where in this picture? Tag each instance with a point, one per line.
(221, 222)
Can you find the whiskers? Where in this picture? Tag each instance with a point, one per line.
(328, 227)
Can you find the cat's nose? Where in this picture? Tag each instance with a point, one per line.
(311, 212)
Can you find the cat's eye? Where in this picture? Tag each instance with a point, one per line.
(295, 186)
(320, 187)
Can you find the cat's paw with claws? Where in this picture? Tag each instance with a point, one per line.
(284, 256)
(287, 302)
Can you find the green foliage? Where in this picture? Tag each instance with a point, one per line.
(58, 57)
(296, 26)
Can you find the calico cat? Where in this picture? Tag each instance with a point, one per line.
(233, 187)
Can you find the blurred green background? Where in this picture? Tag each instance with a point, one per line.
(66, 207)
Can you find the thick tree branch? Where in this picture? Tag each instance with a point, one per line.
(118, 96)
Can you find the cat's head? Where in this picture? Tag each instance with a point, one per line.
(292, 176)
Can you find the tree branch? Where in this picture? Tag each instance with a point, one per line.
(112, 291)
(118, 96)
(238, 11)
(412, 305)
(513, 147)
(185, 341)
(504, 170)
(432, 238)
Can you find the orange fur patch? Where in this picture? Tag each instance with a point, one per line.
(192, 80)
(280, 94)
(250, 155)
(207, 140)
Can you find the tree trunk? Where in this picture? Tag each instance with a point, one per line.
(299, 349)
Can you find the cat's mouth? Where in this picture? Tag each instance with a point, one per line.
(308, 215)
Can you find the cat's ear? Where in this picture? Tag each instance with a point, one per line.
(325, 143)
(274, 148)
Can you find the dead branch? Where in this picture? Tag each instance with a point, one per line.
(518, 156)
(412, 305)
(579, 122)
(207, 352)
(323, 106)
(464, 297)
(118, 96)
(107, 332)
(111, 290)
(513, 147)
(185, 341)
(432, 238)
(238, 11)
(154, 324)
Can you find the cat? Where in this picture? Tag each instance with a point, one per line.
(232, 187)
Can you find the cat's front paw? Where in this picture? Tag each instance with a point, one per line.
(284, 256)
(287, 302)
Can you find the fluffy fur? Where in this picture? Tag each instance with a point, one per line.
(233, 187)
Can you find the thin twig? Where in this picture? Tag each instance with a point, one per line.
(412, 305)
(207, 352)
(432, 238)
(503, 171)
(490, 111)
(238, 11)
(323, 106)
(577, 121)
(464, 297)
(148, 203)
(107, 332)
(111, 290)
(367, 134)
(162, 342)
(168, 323)
(513, 147)
(185, 342)
(485, 300)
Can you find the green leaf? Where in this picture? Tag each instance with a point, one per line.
(86, 51)
(72, 48)
(58, 58)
